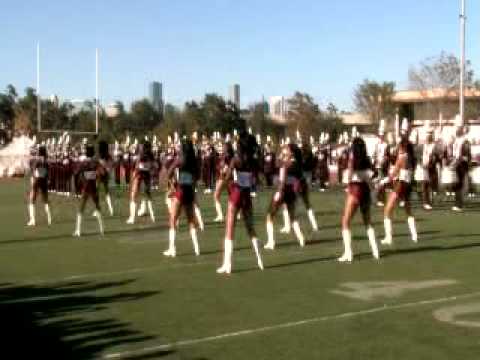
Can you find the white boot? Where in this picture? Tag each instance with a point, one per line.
(413, 228)
(313, 220)
(48, 213)
(168, 201)
(388, 232)
(98, 215)
(226, 268)
(78, 227)
(31, 213)
(108, 199)
(142, 210)
(270, 245)
(198, 215)
(150, 210)
(373, 242)
(298, 233)
(171, 251)
(193, 234)
(133, 207)
(347, 244)
(286, 222)
(257, 253)
(218, 207)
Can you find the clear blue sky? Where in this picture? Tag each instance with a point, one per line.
(269, 47)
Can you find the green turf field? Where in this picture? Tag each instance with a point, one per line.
(118, 297)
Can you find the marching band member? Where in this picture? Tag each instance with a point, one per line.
(461, 160)
(107, 162)
(208, 164)
(289, 183)
(359, 174)
(323, 158)
(89, 171)
(269, 162)
(306, 179)
(401, 176)
(117, 162)
(426, 172)
(241, 171)
(381, 161)
(39, 183)
(184, 173)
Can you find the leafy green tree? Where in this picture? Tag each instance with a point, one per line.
(374, 100)
(303, 114)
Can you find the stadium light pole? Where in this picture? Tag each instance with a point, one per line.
(39, 102)
(462, 61)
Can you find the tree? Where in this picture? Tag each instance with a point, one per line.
(332, 110)
(303, 114)
(7, 113)
(144, 117)
(439, 72)
(374, 100)
(26, 112)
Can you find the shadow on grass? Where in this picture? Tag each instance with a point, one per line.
(65, 321)
(385, 253)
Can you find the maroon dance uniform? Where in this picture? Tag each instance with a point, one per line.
(292, 185)
(403, 183)
(358, 186)
(184, 187)
(89, 171)
(107, 164)
(239, 189)
(269, 160)
(39, 168)
(142, 170)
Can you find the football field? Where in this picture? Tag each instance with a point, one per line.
(118, 297)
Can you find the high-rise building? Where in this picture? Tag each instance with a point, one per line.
(234, 95)
(155, 90)
(278, 108)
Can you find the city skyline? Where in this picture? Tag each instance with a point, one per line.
(322, 49)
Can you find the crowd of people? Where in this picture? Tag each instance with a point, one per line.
(242, 164)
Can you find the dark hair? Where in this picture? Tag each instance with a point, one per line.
(361, 161)
(189, 162)
(228, 150)
(90, 151)
(103, 150)
(408, 147)
(146, 151)
(297, 166)
(247, 148)
(42, 151)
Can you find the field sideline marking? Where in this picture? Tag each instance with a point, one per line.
(346, 315)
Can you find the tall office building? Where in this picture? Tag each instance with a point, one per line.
(278, 108)
(156, 95)
(234, 95)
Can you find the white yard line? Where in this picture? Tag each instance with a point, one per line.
(347, 315)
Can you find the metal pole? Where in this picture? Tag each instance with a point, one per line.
(462, 62)
(96, 91)
(39, 102)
